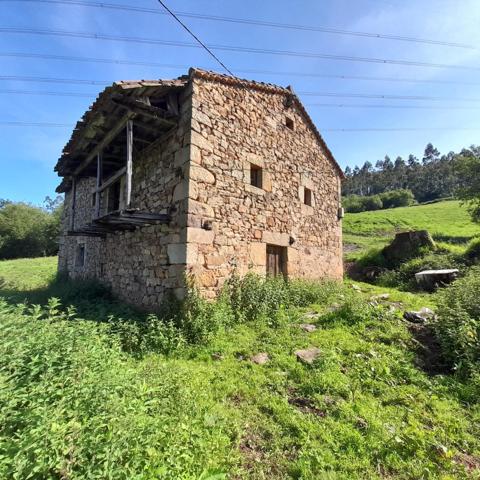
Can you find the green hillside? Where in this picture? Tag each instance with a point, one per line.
(447, 221)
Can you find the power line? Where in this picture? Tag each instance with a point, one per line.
(195, 37)
(413, 107)
(386, 97)
(321, 94)
(253, 71)
(231, 48)
(34, 124)
(262, 23)
(53, 94)
(70, 81)
(394, 129)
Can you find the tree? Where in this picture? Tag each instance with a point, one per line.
(468, 170)
(430, 154)
(28, 231)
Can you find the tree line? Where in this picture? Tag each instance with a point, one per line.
(432, 177)
(29, 231)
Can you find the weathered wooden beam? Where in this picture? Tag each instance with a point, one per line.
(72, 204)
(117, 128)
(99, 183)
(111, 179)
(140, 107)
(128, 185)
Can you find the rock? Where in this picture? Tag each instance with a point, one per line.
(308, 327)
(308, 355)
(423, 315)
(311, 315)
(217, 356)
(432, 279)
(260, 358)
(334, 307)
(381, 296)
(356, 288)
(405, 245)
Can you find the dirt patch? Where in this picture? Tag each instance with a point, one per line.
(305, 405)
(350, 247)
(429, 354)
(470, 462)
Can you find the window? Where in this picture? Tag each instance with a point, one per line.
(80, 255)
(94, 198)
(307, 196)
(255, 175)
(114, 197)
(289, 123)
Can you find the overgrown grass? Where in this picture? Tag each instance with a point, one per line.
(79, 401)
(447, 221)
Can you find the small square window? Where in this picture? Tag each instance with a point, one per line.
(80, 255)
(289, 123)
(255, 175)
(307, 196)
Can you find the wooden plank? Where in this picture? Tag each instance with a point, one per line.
(117, 128)
(99, 183)
(72, 204)
(139, 107)
(128, 184)
(112, 179)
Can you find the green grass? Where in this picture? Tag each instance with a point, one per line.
(447, 221)
(75, 404)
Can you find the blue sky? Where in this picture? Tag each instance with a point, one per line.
(28, 154)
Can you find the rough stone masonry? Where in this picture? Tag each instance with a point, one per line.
(239, 168)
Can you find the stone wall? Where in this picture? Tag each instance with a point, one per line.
(232, 128)
(143, 265)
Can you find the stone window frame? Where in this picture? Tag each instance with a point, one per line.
(259, 163)
(307, 184)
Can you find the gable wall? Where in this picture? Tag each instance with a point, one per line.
(232, 127)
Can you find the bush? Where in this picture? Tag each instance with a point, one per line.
(390, 199)
(458, 324)
(28, 231)
(253, 297)
(397, 198)
(472, 253)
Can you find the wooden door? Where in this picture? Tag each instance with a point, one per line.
(276, 260)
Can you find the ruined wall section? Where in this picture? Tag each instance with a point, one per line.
(143, 265)
(230, 222)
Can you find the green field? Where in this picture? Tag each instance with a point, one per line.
(447, 221)
(84, 395)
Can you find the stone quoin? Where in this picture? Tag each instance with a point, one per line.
(204, 175)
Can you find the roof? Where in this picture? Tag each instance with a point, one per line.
(103, 112)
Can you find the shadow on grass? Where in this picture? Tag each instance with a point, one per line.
(91, 300)
(455, 240)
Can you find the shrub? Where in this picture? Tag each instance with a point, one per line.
(472, 253)
(390, 199)
(397, 198)
(458, 324)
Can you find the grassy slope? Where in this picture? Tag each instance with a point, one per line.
(447, 221)
(75, 406)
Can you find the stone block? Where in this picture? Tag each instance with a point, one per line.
(201, 209)
(257, 253)
(199, 235)
(276, 238)
(201, 174)
(177, 253)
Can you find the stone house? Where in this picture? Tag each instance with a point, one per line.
(206, 174)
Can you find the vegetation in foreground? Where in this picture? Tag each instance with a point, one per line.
(447, 221)
(101, 391)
